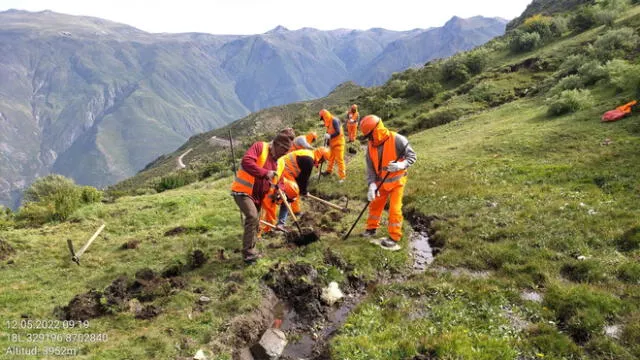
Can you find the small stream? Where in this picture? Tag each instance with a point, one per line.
(421, 250)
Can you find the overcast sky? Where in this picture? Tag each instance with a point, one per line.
(259, 16)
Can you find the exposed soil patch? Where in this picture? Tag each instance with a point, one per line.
(145, 287)
(534, 64)
(307, 237)
(84, 307)
(296, 284)
(148, 312)
(5, 250)
(246, 329)
(132, 244)
(334, 259)
(176, 231)
(352, 150)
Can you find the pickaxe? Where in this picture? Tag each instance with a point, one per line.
(76, 256)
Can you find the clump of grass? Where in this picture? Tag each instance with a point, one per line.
(588, 271)
(629, 272)
(630, 240)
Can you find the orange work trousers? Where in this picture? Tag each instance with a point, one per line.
(352, 130)
(270, 211)
(337, 156)
(395, 211)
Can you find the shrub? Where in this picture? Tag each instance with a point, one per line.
(571, 65)
(455, 70)
(51, 198)
(522, 41)
(6, 218)
(543, 25)
(423, 89)
(176, 180)
(210, 169)
(90, 195)
(622, 75)
(476, 60)
(592, 72)
(491, 94)
(615, 43)
(584, 19)
(567, 83)
(570, 101)
(436, 118)
(144, 191)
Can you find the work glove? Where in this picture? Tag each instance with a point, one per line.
(397, 166)
(326, 138)
(372, 194)
(271, 174)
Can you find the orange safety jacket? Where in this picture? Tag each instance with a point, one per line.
(354, 117)
(291, 168)
(338, 140)
(243, 182)
(389, 155)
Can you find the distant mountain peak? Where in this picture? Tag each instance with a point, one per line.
(278, 29)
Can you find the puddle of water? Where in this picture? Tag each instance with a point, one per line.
(422, 251)
(306, 346)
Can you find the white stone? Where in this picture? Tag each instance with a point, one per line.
(199, 355)
(271, 345)
(332, 293)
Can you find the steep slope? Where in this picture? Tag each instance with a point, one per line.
(97, 100)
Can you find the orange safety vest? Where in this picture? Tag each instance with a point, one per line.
(354, 117)
(328, 123)
(291, 168)
(394, 179)
(243, 182)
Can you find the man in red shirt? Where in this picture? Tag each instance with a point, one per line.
(253, 181)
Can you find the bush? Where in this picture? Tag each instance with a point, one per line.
(51, 198)
(571, 65)
(491, 94)
(543, 25)
(6, 218)
(615, 43)
(524, 41)
(176, 180)
(592, 72)
(570, 101)
(583, 20)
(90, 195)
(455, 70)
(622, 75)
(567, 83)
(210, 169)
(423, 89)
(436, 118)
(476, 60)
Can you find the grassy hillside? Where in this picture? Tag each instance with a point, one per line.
(530, 202)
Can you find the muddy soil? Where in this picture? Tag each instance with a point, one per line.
(5, 250)
(297, 285)
(145, 287)
(176, 231)
(129, 245)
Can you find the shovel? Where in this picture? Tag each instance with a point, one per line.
(75, 256)
(329, 204)
(272, 226)
(304, 237)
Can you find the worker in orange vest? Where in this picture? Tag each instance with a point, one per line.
(388, 153)
(304, 141)
(335, 138)
(352, 122)
(257, 174)
(298, 166)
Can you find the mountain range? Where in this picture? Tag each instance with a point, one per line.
(96, 100)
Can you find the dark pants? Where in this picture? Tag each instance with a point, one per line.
(251, 223)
